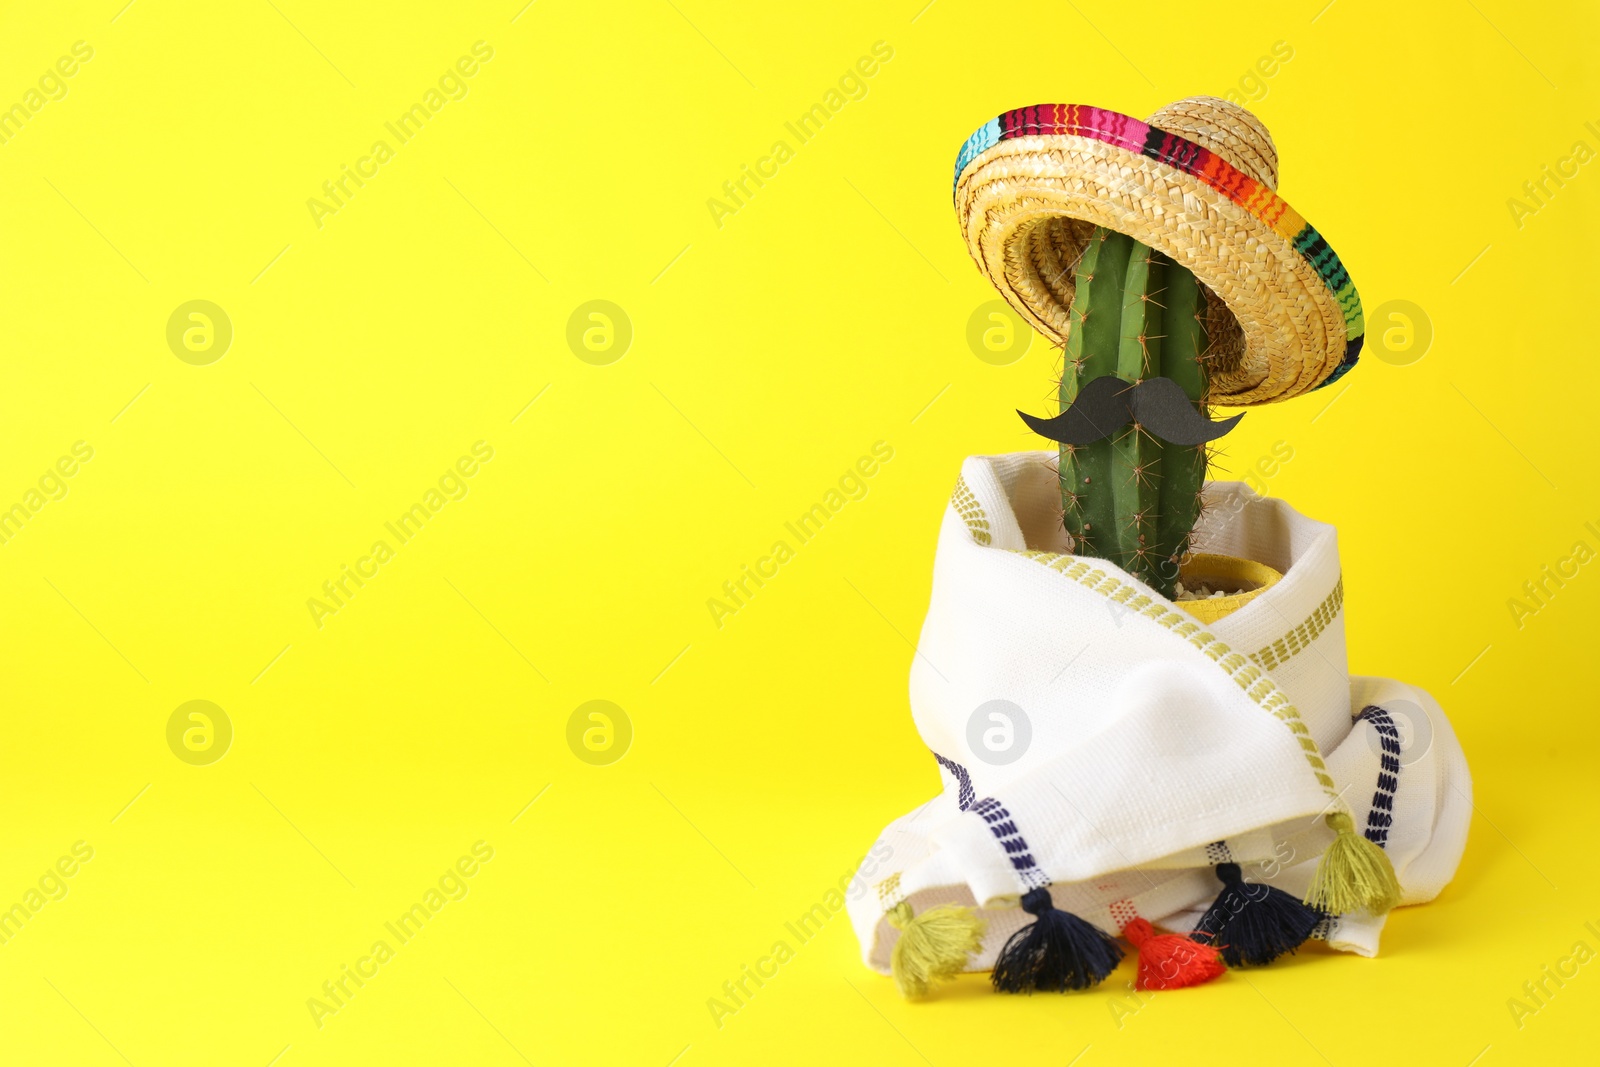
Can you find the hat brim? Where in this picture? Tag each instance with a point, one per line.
(1031, 184)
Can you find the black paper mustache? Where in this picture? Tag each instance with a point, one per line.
(1108, 403)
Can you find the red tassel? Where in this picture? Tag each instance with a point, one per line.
(1171, 961)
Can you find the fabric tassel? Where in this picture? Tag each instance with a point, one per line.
(932, 946)
(1354, 874)
(1056, 952)
(1170, 961)
(1254, 924)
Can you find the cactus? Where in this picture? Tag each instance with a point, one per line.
(1133, 499)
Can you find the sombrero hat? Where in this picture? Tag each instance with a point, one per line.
(1198, 184)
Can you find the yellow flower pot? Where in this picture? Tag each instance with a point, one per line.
(1227, 572)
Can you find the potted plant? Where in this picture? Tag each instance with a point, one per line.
(1103, 771)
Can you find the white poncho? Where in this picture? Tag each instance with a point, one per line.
(1094, 738)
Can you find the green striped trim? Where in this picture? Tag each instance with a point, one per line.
(1295, 641)
(971, 512)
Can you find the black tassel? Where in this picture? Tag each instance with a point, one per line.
(1056, 952)
(1254, 923)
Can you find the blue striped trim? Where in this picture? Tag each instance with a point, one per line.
(1381, 817)
(1004, 828)
(964, 791)
(1000, 823)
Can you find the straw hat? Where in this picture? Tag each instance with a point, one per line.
(1198, 184)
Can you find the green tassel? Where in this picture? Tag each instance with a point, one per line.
(933, 946)
(1354, 874)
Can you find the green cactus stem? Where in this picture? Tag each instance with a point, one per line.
(1131, 498)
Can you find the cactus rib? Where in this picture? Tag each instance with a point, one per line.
(1133, 499)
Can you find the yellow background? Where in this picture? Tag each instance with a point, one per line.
(768, 354)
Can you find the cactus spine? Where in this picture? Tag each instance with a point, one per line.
(1132, 499)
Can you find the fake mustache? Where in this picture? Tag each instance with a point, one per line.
(1108, 403)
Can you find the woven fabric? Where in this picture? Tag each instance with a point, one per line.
(1155, 748)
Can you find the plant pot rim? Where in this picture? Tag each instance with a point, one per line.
(1210, 568)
